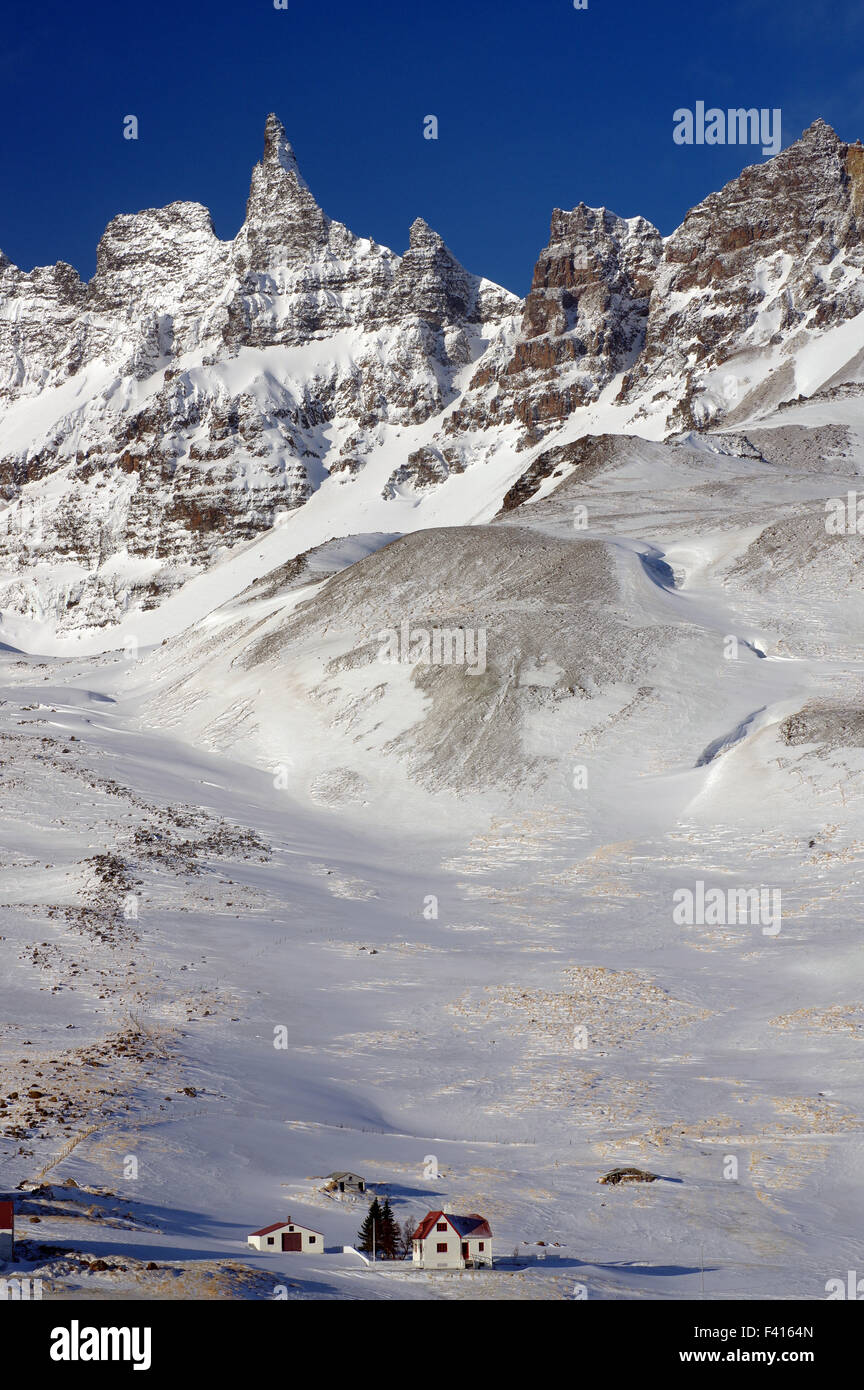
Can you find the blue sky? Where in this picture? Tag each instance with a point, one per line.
(539, 105)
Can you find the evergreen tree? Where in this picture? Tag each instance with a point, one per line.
(389, 1235)
(371, 1224)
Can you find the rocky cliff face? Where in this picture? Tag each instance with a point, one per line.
(582, 323)
(195, 389)
(777, 253)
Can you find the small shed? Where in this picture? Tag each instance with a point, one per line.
(287, 1235)
(7, 1230)
(444, 1240)
(346, 1184)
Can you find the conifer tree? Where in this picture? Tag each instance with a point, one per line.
(389, 1234)
(371, 1227)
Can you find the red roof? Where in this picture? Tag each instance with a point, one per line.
(7, 1216)
(280, 1226)
(426, 1225)
(472, 1225)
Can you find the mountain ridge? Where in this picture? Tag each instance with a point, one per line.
(195, 390)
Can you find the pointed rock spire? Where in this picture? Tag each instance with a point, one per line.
(278, 152)
(283, 221)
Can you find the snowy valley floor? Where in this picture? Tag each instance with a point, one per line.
(152, 1038)
(168, 913)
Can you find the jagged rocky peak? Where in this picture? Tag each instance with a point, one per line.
(423, 237)
(778, 250)
(284, 223)
(432, 284)
(298, 274)
(158, 274)
(278, 151)
(60, 281)
(302, 275)
(592, 255)
(41, 335)
(159, 258)
(582, 323)
(801, 201)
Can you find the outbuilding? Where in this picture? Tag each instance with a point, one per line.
(346, 1184)
(287, 1235)
(7, 1230)
(444, 1240)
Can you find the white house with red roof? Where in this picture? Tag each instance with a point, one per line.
(444, 1240)
(7, 1230)
(287, 1235)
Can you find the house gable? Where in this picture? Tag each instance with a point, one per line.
(285, 1226)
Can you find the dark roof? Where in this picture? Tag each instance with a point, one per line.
(280, 1226)
(7, 1216)
(338, 1176)
(471, 1225)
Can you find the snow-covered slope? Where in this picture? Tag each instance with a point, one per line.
(452, 895)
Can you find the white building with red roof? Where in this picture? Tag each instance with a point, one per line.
(444, 1240)
(287, 1235)
(7, 1230)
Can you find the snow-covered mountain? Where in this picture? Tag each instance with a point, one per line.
(751, 285)
(195, 388)
(196, 391)
(240, 474)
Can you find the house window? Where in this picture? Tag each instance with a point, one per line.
(442, 1226)
(271, 1240)
(482, 1245)
(290, 1228)
(312, 1241)
(441, 1247)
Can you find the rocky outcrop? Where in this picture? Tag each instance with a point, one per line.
(424, 468)
(777, 252)
(582, 323)
(42, 335)
(586, 456)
